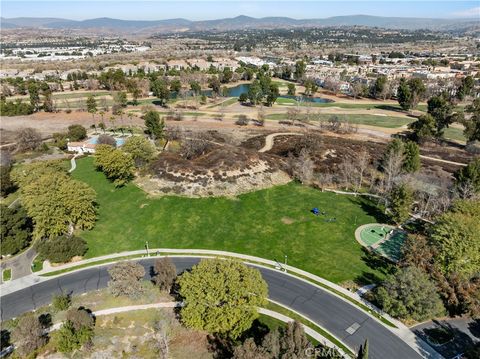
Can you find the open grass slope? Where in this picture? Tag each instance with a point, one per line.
(371, 120)
(268, 223)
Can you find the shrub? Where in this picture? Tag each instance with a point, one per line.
(61, 302)
(242, 120)
(77, 330)
(61, 249)
(76, 132)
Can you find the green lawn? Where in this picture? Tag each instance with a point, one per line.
(456, 134)
(372, 120)
(268, 223)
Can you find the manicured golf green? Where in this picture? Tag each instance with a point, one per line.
(270, 223)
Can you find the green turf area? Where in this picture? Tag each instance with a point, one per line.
(373, 234)
(79, 94)
(371, 120)
(268, 223)
(391, 247)
(453, 133)
(285, 101)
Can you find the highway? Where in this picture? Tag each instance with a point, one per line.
(348, 323)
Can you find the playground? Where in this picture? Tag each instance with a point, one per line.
(384, 239)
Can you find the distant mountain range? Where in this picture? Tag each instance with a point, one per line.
(238, 23)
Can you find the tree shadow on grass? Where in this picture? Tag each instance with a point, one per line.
(370, 208)
(378, 262)
(257, 331)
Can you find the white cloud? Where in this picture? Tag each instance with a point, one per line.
(474, 12)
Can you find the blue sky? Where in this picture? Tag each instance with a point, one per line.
(204, 10)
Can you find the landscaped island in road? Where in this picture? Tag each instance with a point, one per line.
(270, 223)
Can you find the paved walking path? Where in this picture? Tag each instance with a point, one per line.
(443, 161)
(309, 331)
(73, 164)
(269, 139)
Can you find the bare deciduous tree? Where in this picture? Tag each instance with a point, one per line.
(165, 273)
(28, 139)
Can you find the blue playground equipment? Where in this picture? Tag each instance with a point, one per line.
(315, 211)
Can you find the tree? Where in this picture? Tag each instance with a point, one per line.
(28, 139)
(291, 89)
(140, 149)
(76, 132)
(76, 331)
(410, 93)
(409, 294)
(48, 105)
(472, 124)
(465, 88)
(293, 341)
(243, 97)
(456, 239)
(34, 94)
(195, 87)
(468, 177)
(424, 128)
(161, 91)
(175, 86)
(215, 85)
(155, 125)
(379, 88)
(120, 99)
(363, 352)
(411, 152)
(61, 302)
(118, 166)
(400, 200)
(221, 296)
(272, 95)
(106, 140)
(6, 184)
(441, 110)
(16, 229)
(165, 273)
(126, 279)
(250, 350)
(300, 67)
(56, 203)
(28, 335)
(91, 105)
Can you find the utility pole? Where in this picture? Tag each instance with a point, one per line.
(146, 247)
(285, 263)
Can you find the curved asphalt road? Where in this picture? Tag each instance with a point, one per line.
(329, 311)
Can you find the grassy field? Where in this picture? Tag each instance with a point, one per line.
(371, 120)
(456, 134)
(268, 224)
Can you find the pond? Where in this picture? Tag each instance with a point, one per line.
(236, 91)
